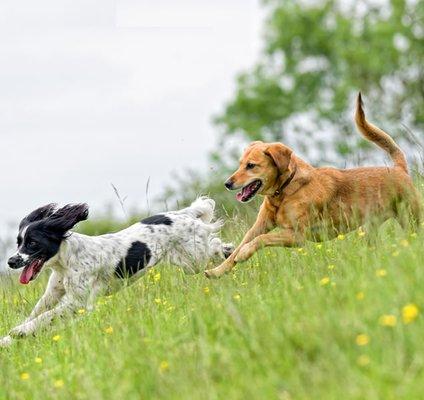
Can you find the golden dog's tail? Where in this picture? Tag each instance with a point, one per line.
(379, 137)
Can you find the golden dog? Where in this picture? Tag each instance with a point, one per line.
(308, 203)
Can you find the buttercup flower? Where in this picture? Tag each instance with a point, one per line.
(362, 339)
(164, 366)
(56, 338)
(81, 311)
(237, 297)
(380, 272)
(360, 296)
(25, 376)
(387, 320)
(410, 313)
(404, 243)
(341, 237)
(38, 360)
(361, 232)
(156, 277)
(109, 330)
(58, 383)
(324, 281)
(206, 290)
(363, 360)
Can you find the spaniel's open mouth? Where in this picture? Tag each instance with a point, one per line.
(249, 191)
(31, 271)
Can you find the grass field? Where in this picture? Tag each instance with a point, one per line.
(342, 319)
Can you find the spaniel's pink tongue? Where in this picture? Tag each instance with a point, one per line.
(27, 273)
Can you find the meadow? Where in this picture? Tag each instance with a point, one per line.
(339, 319)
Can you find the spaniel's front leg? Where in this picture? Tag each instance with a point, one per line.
(54, 292)
(65, 307)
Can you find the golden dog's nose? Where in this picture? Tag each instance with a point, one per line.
(229, 184)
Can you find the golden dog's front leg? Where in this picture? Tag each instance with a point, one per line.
(283, 238)
(261, 226)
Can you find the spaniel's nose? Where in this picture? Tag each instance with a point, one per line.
(14, 262)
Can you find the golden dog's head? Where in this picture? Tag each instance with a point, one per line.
(261, 168)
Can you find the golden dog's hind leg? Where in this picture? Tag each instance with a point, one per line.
(283, 238)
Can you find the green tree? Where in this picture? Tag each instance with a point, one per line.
(317, 56)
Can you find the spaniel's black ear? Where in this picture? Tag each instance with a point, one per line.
(38, 214)
(66, 217)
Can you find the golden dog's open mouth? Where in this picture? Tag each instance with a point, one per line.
(249, 191)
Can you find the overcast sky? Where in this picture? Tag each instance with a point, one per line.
(101, 91)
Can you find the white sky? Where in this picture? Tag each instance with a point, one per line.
(101, 91)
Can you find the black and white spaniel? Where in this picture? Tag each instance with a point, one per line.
(82, 266)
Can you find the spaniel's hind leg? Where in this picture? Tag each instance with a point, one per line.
(220, 250)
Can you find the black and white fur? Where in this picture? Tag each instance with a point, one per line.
(83, 266)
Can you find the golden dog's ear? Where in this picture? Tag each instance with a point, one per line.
(280, 154)
(254, 143)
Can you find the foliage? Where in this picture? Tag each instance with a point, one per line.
(317, 56)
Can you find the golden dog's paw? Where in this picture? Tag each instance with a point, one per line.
(218, 271)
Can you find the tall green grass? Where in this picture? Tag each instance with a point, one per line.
(341, 319)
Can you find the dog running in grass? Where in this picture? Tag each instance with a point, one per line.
(307, 203)
(83, 266)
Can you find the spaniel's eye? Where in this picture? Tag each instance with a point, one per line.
(250, 166)
(32, 244)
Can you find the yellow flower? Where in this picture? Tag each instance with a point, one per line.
(324, 281)
(331, 267)
(56, 338)
(341, 237)
(58, 383)
(318, 246)
(410, 313)
(360, 296)
(380, 272)
(81, 311)
(300, 249)
(158, 301)
(38, 360)
(237, 297)
(387, 320)
(363, 360)
(361, 232)
(156, 277)
(404, 243)
(206, 290)
(164, 366)
(362, 339)
(25, 376)
(109, 330)
(129, 309)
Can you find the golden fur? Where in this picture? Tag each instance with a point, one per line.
(307, 203)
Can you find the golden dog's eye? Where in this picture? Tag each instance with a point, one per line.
(250, 166)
